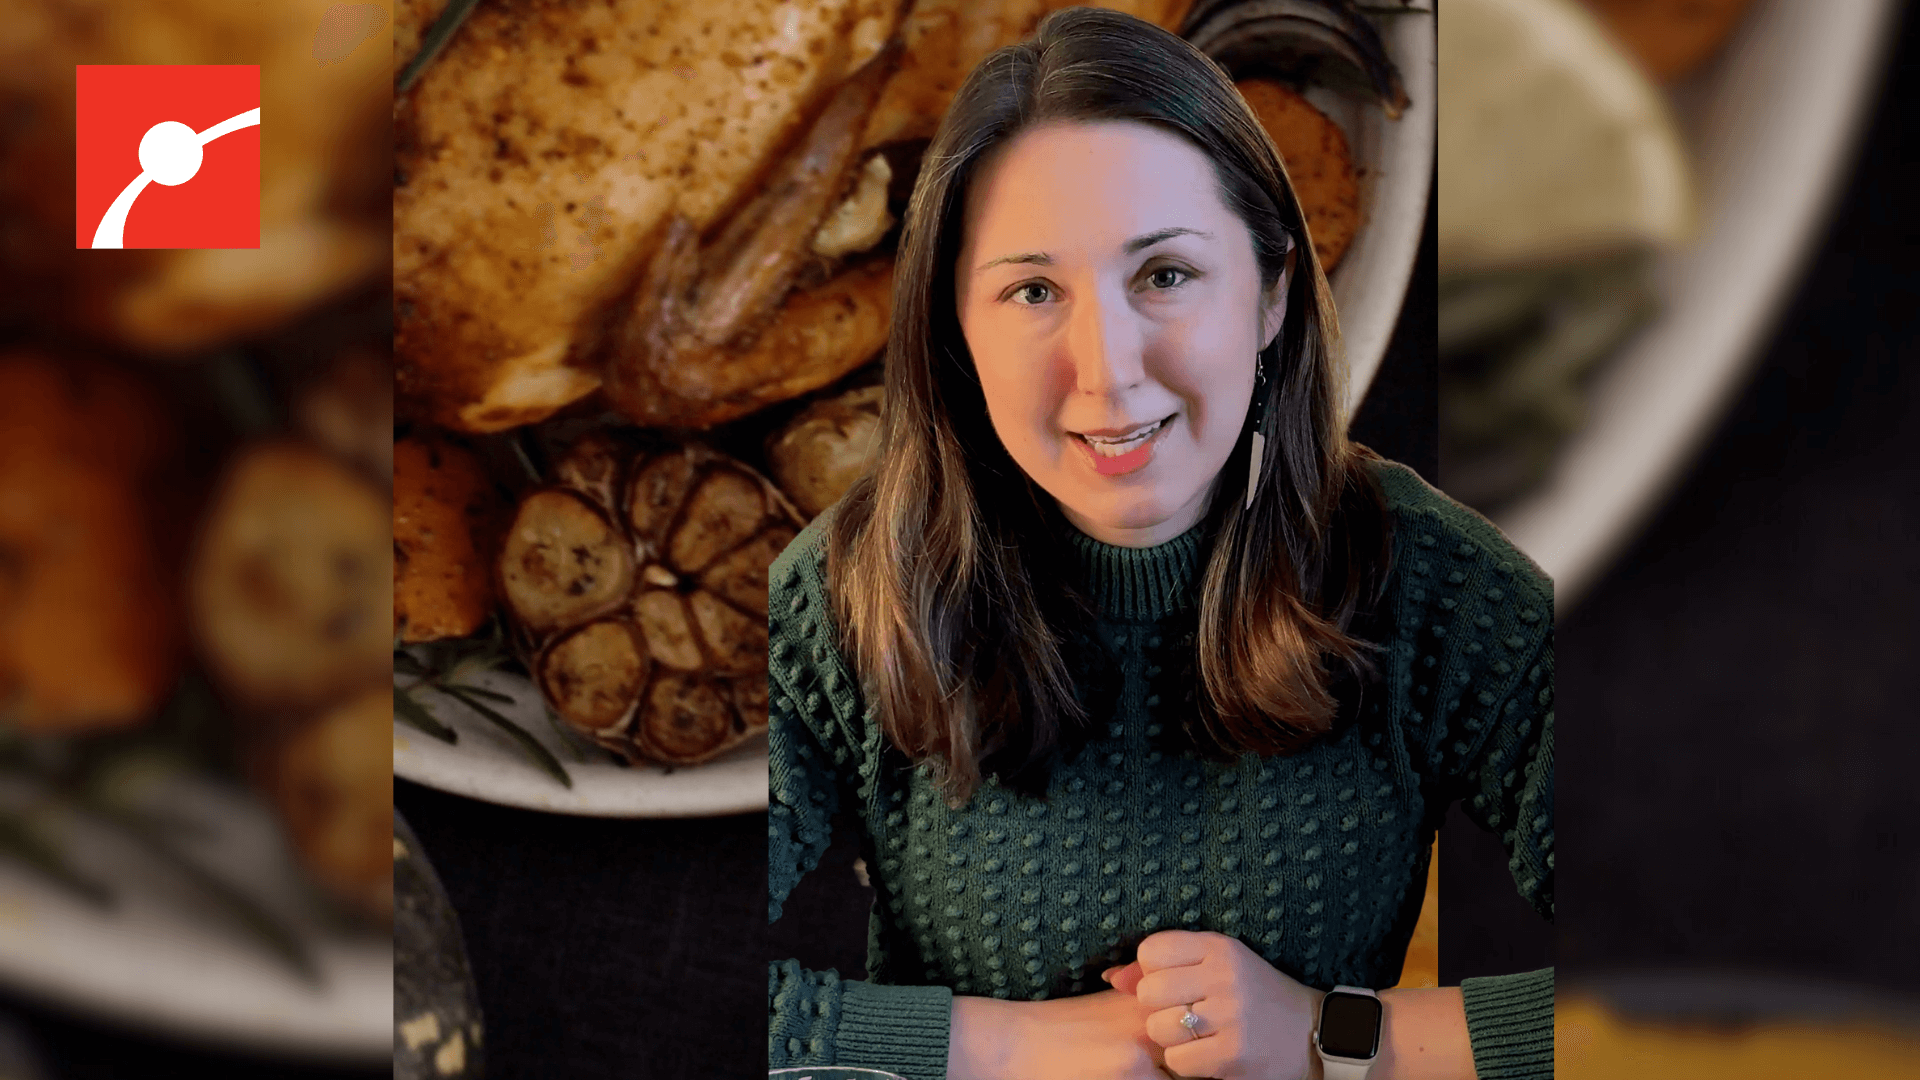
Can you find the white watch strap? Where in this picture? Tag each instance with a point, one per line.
(1333, 1068)
(1336, 1069)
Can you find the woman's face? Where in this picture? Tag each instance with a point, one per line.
(1103, 288)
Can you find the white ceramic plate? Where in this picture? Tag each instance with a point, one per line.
(1771, 121)
(1396, 159)
(157, 961)
(488, 765)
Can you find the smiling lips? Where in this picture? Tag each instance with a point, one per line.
(1124, 451)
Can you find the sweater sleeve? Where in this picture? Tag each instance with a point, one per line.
(1509, 791)
(1509, 784)
(816, 1017)
(1490, 737)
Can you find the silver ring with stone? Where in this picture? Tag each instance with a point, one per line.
(1191, 1022)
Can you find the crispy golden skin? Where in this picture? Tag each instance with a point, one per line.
(446, 517)
(818, 336)
(612, 118)
(542, 164)
(1319, 165)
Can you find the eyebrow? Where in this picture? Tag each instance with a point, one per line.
(1138, 243)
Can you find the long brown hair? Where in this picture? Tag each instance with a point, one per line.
(958, 612)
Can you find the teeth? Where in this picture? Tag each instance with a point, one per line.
(1110, 448)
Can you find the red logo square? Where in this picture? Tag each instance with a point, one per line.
(168, 156)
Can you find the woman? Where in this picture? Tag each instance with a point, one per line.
(1129, 665)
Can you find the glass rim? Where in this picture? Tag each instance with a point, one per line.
(796, 1071)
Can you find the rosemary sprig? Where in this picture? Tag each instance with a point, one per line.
(251, 916)
(518, 441)
(414, 715)
(93, 777)
(433, 41)
(568, 738)
(440, 665)
(487, 650)
(485, 694)
(24, 845)
(531, 745)
(405, 664)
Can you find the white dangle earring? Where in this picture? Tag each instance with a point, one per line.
(1258, 444)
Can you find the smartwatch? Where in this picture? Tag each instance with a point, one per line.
(1347, 1033)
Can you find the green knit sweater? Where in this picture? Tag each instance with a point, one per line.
(1317, 861)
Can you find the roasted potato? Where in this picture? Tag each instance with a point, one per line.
(331, 780)
(446, 524)
(85, 411)
(818, 454)
(1319, 164)
(89, 634)
(291, 587)
(89, 620)
(947, 39)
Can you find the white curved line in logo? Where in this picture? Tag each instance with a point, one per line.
(170, 154)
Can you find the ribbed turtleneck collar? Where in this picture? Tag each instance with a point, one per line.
(1147, 583)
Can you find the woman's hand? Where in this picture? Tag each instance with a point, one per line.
(1254, 1021)
(1094, 1037)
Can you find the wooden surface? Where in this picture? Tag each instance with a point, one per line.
(1422, 967)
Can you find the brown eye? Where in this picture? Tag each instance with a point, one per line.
(1155, 277)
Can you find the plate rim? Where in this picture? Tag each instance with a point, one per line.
(430, 767)
(1579, 521)
(37, 965)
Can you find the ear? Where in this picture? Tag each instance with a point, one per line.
(1273, 309)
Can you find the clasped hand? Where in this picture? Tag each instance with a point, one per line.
(1253, 1021)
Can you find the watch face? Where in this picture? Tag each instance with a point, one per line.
(1350, 1025)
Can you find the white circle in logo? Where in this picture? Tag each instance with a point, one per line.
(170, 153)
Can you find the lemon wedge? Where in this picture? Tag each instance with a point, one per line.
(1552, 144)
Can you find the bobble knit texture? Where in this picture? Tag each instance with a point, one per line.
(1316, 861)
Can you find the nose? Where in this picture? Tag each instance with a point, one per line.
(1105, 345)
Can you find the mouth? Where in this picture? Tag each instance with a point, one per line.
(1126, 453)
(1112, 446)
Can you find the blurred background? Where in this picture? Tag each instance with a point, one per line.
(194, 469)
(195, 568)
(1734, 800)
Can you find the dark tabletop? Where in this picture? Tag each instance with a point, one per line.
(616, 949)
